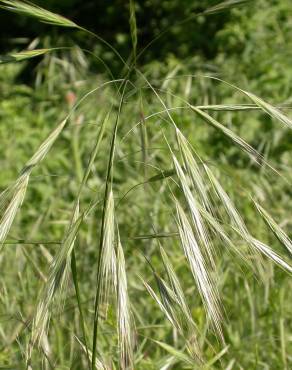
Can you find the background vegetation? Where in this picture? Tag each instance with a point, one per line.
(248, 45)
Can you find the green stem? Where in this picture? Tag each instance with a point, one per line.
(106, 194)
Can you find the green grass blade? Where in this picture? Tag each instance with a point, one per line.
(179, 355)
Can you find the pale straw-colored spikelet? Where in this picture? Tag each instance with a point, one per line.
(44, 147)
(161, 305)
(239, 226)
(193, 169)
(23, 55)
(125, 334)
(269, 109)
(231, 210)
(11, 200)
(253, 153)
(198, 222)
(220, 232)
(35, 11)
(58, 275)
(268, 252)
(200, 270)
(278, 231)
(99, 365)
(175, 285)
(188, 321)
(107, 271)
(227, 202)
(18, 191)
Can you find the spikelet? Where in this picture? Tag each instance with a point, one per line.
(107, 271)
(281, 235)
(124, 314)
(272, 111)
(12, 204)
(12, 198)
(233, 213)
(269, 109)
(164, 309)
(22, 55)
(199, 225)
(184, 311)
(268, 252)
(99, 365)
(199, 268)
(254, 154)
(225, 5)
(37, 12)
(219, 231)
(193, 169)
(57, 278)
(133, 27)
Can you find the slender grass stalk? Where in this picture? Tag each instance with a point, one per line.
(133, 29)
(144, 136)
(107, 193)
(92, 158)
(223, 6)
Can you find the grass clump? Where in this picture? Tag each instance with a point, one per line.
(139, 218)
